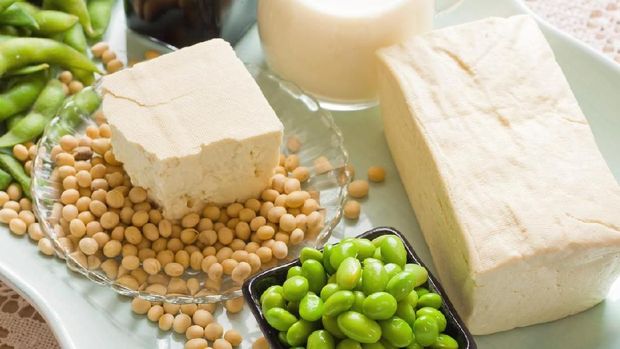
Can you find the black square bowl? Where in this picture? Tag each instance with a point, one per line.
(256, 285)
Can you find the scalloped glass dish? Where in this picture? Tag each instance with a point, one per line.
(302, 117)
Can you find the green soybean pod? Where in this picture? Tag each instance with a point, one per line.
(430, 299)
(396, 331)
(374, 276)
(11, 165)
(280, 319)
(358, 304)
(4, 4)
(365, 248)
(273, 288)
(339, 302)
(349, 273)
(341, 251)
(311, 307)
(76, 107)
(380, 306)
(392, 269)
(425, 330)
(439, 317)
(329, 290)
(295, 288)
(315, 273)
(77, 8)
(321, 339)
(400, 285)
(421, 274)
(100, 12)
(359, 327)
(75, 38)
(444, 341)
(377, 345)
(310, 253)
(272, 300)
(298, 333)
(293, 271)
(331, 325)
(348, 344)
(393, 250)
(43, 110)
(405, 311)
(15, 15)
(5, 179)
(327, 252)
(21, 93)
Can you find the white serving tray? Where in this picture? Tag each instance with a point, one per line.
(83, 315)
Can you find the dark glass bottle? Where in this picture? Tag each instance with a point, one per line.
(186, 22)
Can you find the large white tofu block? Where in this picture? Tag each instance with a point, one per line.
(191, 127)
(517, 205)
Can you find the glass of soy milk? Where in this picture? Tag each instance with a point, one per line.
(327, 47)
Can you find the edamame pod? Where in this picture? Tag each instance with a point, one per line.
(20, 95)
(82, 103)
(4, 4)
(425, 330)
(21, 52)
(299, 332)
(75, 38)
(315, 273)
(280, 319)
(49, 22)
(349, 273)
(13, 120)
(339, 302)
(321, 339)
(359, 327)
(400, 285)
(348, 344)
(16, 16)
(43, 110)
(11, 165)
(100, 12)
(77, 8)
(31, 69)
(5, 179)
(393, 250)
(311, 307)
(397, 332)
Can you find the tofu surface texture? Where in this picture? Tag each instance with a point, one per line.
(519, 209)
(191, 127)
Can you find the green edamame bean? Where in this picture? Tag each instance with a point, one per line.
(400, 285)
(20, 52)
(430, 299)
(315, 273)
(282, 338)
(341, 251)
(294, 271)
(386, 344)
(16, 16)
(377, 345)
(293, 307)
(405, 311)
(5, 180)
(445, 342)
(365, 248)
(332, 279)
(374, 276)
(329, 290)
(331, 325)
(421, 291)
(43, 110)
(272, 300)
(421, 274)
(75, 7)
(339, 302)
(349, 273)
(425, 330)
(21, 93)
(359, 327)
(299, 332)
(392, 269)
(439, 317)
(358, 304)
(11, 165)
(295, 288)
(412, 298)
(75, 38)
(308, 253)
(414, 345)
(280, 319)
(321, 339)
(100, 12)
(393, 250)
(82, 103)
(311, 307)
(327, 252)
(396, 331)
(348, 344)
(274, 288)
(378, 240)
(380, 306)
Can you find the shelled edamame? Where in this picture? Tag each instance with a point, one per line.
(357, 294)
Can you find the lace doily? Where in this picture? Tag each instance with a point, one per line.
(596, 22)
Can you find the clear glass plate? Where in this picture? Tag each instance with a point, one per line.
(302, 118)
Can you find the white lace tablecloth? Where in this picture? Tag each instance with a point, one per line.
(596, 22)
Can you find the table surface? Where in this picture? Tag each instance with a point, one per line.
(110, 322)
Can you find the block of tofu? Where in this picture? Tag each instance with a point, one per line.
(191, 127)
(518, 207)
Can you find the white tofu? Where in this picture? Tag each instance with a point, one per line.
(517, 205)
(191, 127)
